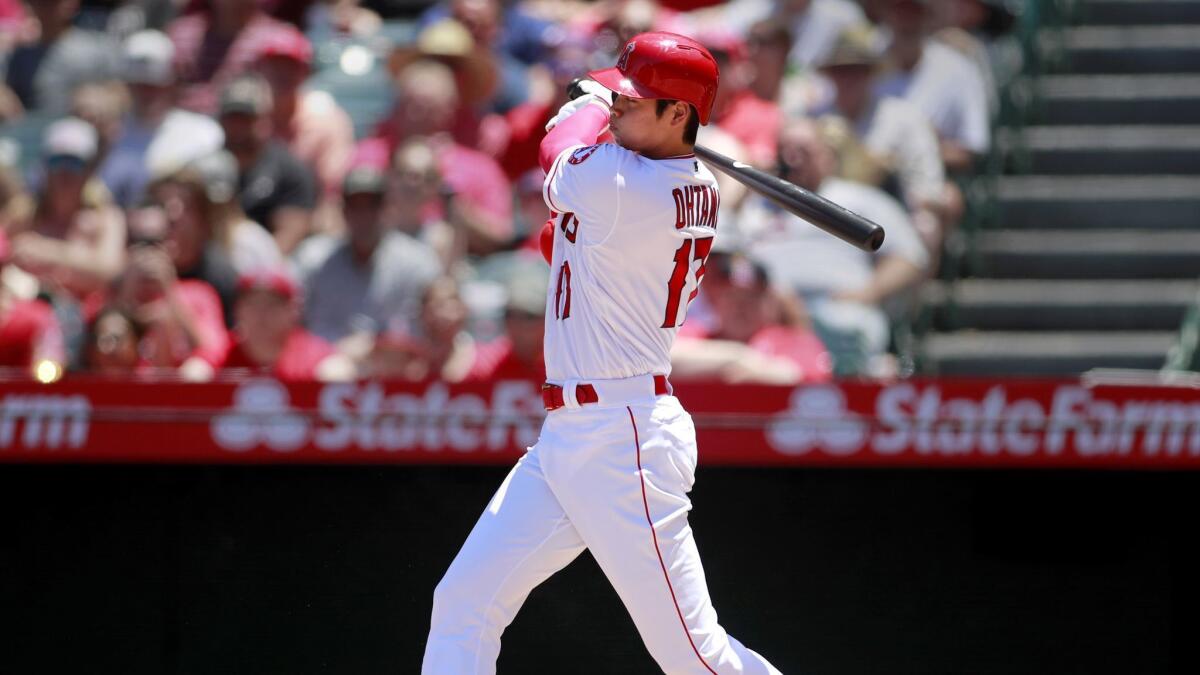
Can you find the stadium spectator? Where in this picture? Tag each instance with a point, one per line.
(203, 228)
(113, 339)
(214, 47)
(521, 33)
(16, 204)
(369, 280)
(939, 81)
(475, 79)
(981, 31)
(844, 289)
(517, 354)
(812, 24)
(611, 24)
(753, 122)
(888, 143)
(44, 73)
(12, 23)
(75, 241)
(275, 189)
(483, 19)
(428, 98)
(154, 122)
(767, 44)
(758, 334)
(29, 332)
(315, 128)
(439, 348)
(184, 330)
(418, 203)
(330, 18)
(102, 105)
(267, 336)
(524, 126)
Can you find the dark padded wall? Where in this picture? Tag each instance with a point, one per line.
(204, 570)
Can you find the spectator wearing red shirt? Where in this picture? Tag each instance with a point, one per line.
(517, 355)
(213, 47)
(756, 333)
(267, 336)
(29, 331)
(751, 120)
(183, 322)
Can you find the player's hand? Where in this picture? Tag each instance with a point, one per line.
(594, 93)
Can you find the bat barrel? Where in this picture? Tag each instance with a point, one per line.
(828, 216)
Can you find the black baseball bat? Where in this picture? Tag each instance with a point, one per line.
(813, 208)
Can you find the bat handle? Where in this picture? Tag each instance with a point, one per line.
(574, 90)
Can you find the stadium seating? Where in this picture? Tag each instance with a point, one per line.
(1085, 253)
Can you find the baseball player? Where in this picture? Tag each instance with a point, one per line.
(633, 224)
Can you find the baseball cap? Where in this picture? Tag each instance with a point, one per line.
(269, 279)
(855, 46)
(147, 57)
(288, 43)
(70, 137)
(219, 171)
(247, 94)
(364, 180)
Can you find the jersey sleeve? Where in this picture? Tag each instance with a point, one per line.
(584, 180)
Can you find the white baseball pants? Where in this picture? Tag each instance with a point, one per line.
(612, 477)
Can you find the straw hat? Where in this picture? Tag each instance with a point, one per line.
(450, 42)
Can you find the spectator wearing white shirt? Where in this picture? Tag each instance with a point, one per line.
(940, 81)
(892, 136)
(813, 24)
(149, 140)
(845, 289)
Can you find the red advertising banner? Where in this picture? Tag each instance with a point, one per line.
(919, 423)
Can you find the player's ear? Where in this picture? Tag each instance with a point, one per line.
(680, 112)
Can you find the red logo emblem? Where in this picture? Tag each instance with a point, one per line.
(581, 155)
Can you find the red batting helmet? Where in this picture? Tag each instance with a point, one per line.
(664, 65)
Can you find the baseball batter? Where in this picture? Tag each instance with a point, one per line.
(633, 223)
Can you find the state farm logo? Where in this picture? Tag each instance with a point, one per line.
(44, 421)
(261, 415)
(926, 420)
(364, 416)
(817, 417)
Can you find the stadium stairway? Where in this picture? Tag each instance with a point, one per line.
(1089, 252)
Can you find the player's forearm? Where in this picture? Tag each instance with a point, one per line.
(582, 128)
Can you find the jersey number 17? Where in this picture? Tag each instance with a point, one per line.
(686, 255)
(690, 251)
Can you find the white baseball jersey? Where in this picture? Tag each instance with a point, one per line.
(630, 244)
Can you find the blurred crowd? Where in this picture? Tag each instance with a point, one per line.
(335, 189)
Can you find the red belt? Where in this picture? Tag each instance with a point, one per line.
(552, 394)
